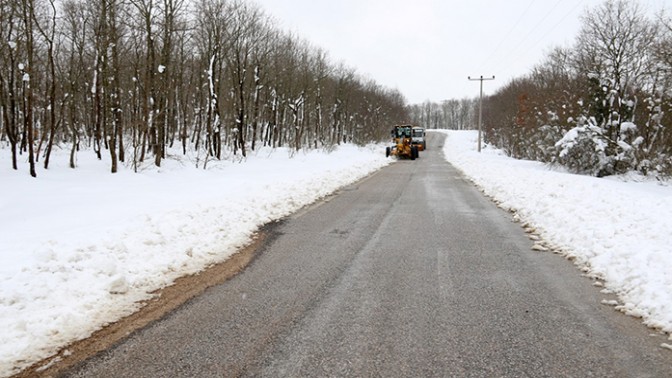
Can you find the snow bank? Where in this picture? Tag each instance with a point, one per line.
(617, 229)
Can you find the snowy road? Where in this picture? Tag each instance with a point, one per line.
(411, 272)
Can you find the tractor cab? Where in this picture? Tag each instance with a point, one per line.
(402, 137)
(402, 132)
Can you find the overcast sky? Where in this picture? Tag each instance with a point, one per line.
(427, 48)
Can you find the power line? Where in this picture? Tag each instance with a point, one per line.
(559, 22)
(534, 29)
(501, 41)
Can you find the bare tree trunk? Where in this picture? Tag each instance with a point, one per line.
(255, 116)
(318, 122)
(28, 17)
(96, 113)
(51, 87)
(115, 133)
(75, 142)
(298, 121)
(9, 115)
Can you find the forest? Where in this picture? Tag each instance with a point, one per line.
(132, 80)
(448, 114)
(602, 106)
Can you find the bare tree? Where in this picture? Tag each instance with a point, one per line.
(114, 124)
(244, 34)
(10, 32)
(48, 33)
(28, 16)
(145, 16)
(613, 50)
(74, 29)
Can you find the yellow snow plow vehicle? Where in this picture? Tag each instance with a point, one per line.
(403, 143)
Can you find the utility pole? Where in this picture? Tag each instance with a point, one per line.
(480, 107)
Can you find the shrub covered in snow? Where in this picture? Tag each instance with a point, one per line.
(585, 149)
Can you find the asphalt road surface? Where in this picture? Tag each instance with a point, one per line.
(410, 272)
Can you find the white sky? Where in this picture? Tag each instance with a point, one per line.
(427, 48)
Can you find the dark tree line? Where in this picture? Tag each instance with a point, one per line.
(602, 106)
(449, 114)
(131, 79)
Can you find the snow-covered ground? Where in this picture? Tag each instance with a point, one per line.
(81, 247)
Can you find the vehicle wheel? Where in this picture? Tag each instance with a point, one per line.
(414, 152)
(424, 146)
(387, 152)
